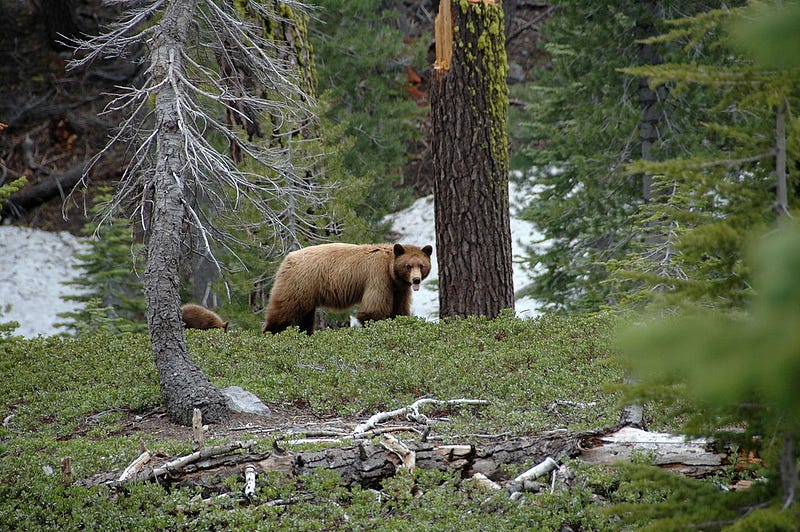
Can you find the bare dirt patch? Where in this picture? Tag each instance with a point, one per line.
(282, 420)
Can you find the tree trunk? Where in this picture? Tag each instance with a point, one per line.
(782, 198)
(788, 470)
(469, 110)
(652, 114)
(59, 19)
(183, 385)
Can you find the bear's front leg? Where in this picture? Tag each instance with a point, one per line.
(376, 305)
(401, 304)
(308, 322)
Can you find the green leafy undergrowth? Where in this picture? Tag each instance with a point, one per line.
(522, 367)
(642, 497)
(72, 397)
(533, 373)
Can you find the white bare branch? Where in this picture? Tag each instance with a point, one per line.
(411, 412)
(225, 67)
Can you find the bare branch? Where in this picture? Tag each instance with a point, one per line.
(270, 178)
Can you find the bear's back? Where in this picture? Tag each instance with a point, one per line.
(334, 275)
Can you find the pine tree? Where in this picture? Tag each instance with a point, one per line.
(361, 59)
(111, 292)
(586, 126)
(730, 186)
(6, 189)
(737, 370)
(740, 369)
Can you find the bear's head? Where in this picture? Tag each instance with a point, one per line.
(412, 264)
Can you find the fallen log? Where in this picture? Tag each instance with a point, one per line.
(692, 457)
(52, 186)
(365, 463)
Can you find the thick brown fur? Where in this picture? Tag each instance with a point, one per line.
(199, 317)
(377, 277)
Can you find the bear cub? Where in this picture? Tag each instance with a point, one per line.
(377, 277)
(199, 317)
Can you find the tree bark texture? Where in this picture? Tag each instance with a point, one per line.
(469, 110)
(183, 385)
(649, 99)
(782, 198)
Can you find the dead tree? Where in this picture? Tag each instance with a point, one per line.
(169, 121)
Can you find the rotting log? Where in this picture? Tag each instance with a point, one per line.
(369, 462)
(692, 457)
(364, 463)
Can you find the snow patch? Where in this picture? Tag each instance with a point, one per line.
(34, 265)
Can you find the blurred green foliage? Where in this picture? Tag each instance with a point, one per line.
(738, 373)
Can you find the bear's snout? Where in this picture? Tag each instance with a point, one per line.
(415, 282)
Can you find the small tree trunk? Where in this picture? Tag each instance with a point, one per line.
(183, 385)
(652, 115)
(469, 110)
(788, 470)
(59, 19)
(782, 199)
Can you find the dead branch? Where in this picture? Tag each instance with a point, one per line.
(66, 470)
(406, 455)
(542, 468)
(197, 430)
(250, 481)
(692, 457)
(535, 20)
(411, 412)
(485, 482)
(175, 465)
(270, 178)
(135, 467)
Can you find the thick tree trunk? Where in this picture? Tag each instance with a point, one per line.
(469, 109)
(183, 385)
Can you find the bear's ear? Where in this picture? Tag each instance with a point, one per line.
(428, 250)
(399, 250)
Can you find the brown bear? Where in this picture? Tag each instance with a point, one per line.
(377, 277)
(198, 317)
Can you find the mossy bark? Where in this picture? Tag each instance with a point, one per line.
(469, 108)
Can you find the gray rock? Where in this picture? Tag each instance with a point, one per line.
(240, 400)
